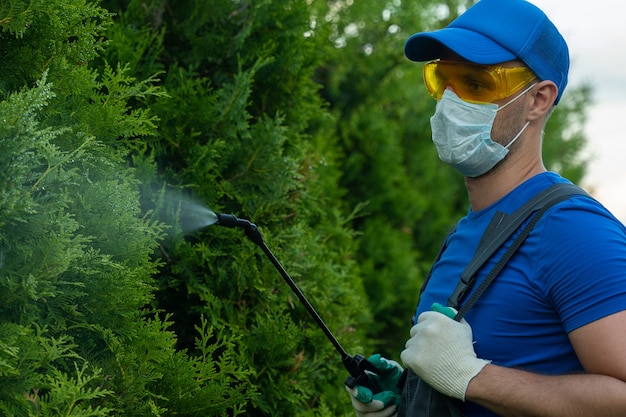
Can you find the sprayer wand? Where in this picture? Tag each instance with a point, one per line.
(357, 364)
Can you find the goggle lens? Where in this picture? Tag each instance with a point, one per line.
(475, 83)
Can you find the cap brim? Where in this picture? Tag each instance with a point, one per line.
(470, 45)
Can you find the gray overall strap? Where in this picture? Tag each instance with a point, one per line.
(498, 232)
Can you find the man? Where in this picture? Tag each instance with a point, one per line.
(548, 336)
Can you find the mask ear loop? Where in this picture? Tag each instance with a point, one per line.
(527, 123)
(518, 96)
(517, 136)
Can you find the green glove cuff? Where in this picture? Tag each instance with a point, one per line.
(446, 311)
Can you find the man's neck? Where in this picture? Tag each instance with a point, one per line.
(491, 187)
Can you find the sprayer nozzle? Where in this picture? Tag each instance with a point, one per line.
(229, 220)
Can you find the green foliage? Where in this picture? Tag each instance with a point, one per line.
(121, 119)
(79, 333)
(41, 34)
(235, 134)
(209, 383)
(564, 137)
(40, 244)
(71, 395)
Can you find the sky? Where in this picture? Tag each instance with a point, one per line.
(596, 35)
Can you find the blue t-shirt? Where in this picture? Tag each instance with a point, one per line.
(570, 271)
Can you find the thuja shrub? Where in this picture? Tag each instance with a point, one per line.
(244, 131)
(80, 332)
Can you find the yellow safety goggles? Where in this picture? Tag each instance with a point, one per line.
(475, 83)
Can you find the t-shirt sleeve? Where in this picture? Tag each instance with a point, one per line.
(582, 266)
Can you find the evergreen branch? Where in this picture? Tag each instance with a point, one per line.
(15, 14)
(68, 157)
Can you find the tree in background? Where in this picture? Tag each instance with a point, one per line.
(383, 112)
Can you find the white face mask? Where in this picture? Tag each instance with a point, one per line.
(462, 134)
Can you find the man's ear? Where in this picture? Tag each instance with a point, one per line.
(543, 98)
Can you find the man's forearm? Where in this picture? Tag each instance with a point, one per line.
(515, 393)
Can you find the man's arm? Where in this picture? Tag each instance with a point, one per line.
(601, 391)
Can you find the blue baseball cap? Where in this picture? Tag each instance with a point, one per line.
(495, 31)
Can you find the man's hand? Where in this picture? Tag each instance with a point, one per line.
(384, 403)
(441, 352)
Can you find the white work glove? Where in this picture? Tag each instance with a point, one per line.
(441, 352)
(384, 403)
